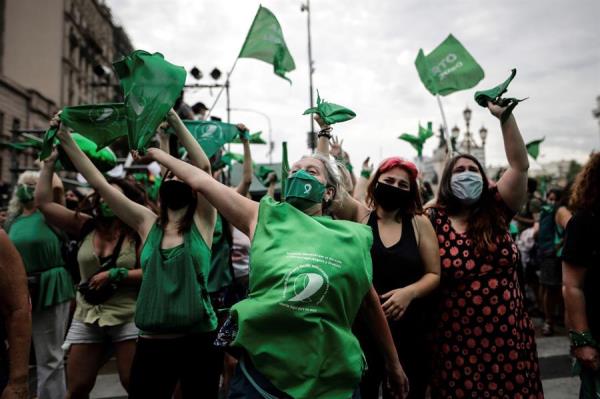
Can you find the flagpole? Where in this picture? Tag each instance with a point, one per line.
(448, 139)
(222, 88)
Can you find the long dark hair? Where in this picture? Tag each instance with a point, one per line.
(486, 220)
(415, 207)
(188, 218)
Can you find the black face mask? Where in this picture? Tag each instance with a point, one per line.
(71, 204)
(175, 194)
(391, 198)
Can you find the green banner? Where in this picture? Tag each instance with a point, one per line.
(448, 68)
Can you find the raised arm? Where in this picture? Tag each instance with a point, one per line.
(14, 306)
(136, 216)
(244, 185)
(272, 178)
(360, 191)
(237, 209)
(56, 214)
(196, 154)
(512, 186)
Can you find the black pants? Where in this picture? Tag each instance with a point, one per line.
(159, 364)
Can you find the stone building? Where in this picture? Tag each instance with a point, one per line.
(53, 53)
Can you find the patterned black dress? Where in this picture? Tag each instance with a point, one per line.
(484, 345)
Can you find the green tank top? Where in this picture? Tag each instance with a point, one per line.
(220, 275)
(308, 278)
(39, 247)
(120, 307)
(173, 297)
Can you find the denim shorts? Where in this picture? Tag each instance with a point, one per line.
(86, 333)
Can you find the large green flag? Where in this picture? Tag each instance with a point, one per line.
(100, 123)
(265, 42)
(151, 86)
(418, 141)
(533, 148)
(448, 68)
(211, 135)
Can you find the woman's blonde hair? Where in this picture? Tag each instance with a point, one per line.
(15, 207)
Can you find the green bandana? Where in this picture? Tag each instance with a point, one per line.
(104, 159)
(25, 193)
(494, 95)
(151, 85)
(262, 174)
(211, 135)
(101, 123)
(329, 112)
(303, 190)
(106, 211)
(253, 138)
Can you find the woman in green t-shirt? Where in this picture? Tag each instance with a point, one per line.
(173, 311)
(107, 256)
(51, 286)
(309, 277)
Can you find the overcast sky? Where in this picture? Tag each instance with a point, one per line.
(364, 55)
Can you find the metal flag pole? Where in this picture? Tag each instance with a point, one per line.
(446, 132)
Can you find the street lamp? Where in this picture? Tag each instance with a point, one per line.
(467, 116)
(483, 134)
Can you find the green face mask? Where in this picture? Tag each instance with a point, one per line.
(105, 211)
(25, 193)
(303, 190)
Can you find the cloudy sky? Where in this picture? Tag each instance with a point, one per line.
(364, 55)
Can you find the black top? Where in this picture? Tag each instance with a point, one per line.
(398, 266)
(582, 248)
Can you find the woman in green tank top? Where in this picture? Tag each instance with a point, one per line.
(101, 237)
(309, 277)
(173, 309)
(50, 284)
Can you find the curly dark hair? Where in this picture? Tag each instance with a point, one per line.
(585, 196)
(486, 220)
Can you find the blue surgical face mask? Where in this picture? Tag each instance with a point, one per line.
(467, 187)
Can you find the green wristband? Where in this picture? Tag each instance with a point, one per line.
(582, 338)
(365, 173)
(117, 274)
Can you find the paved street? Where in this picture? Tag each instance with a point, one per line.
(553, 352)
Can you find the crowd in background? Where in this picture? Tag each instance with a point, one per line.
(172, 271)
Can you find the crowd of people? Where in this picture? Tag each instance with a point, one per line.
(337, 286)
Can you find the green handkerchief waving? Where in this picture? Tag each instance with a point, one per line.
(254, 138)
(533, 148)
(330, 113)
(211, 135)
(151, 86)
(104, 159)
(418, 141)
(101, 123)
(494, 95)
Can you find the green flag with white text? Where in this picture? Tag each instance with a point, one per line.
(265, 42)
(448, 68)
(211, 135)
(533, 148)
(151, 86)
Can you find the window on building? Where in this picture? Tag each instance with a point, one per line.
(2, 133)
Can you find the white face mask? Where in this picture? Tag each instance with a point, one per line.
(467, 186)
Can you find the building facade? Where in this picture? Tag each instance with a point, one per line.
(53, 53)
